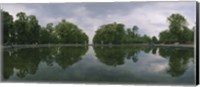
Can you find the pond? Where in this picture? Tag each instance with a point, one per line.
(100, 64)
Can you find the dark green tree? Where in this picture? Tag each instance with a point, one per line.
(154, 39)
(44, 36)
(69, 33)
(33, 29)
(178, 31)
(26, 29)
(7, 25)
(110, 34)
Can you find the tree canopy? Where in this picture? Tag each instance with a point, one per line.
(115, 33)
(178, 31)
(69, 33)
(26, 30)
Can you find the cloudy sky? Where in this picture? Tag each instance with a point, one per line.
(150, 17)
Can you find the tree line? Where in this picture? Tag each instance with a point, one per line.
(115, 33)
(26, 30)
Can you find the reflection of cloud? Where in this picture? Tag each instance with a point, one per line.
(158, 67)
(150, 63)
(149, 16)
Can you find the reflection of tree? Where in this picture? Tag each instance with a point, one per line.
(115, 55)
(110, 55)
(26, 61)
(69, 55)
(147, 49)
(154, 50)
(48, 54)
(178, 59)
(132, 53)
(7, 64)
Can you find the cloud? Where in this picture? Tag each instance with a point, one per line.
(150, 17)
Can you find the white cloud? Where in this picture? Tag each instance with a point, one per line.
(14, 9)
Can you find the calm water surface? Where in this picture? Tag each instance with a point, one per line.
(134, 65)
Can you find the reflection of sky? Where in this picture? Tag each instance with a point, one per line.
(149, 68)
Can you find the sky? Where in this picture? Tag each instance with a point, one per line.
(150, 17)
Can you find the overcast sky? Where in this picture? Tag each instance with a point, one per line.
(150, 17)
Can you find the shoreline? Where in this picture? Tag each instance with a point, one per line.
(76, 45)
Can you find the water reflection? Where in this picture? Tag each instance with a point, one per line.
(21, 63)
(26, 61)
(178, 59)
(69, 56)
(19, 60)
(115, 55)
(154, 50)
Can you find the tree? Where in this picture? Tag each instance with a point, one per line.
(177, 23)
(110, 34)
(21, 27)
(69, 33)
(115, 34)
(135, 29)
(44, 36)
(187, 35)
(7, 24)
(167, 37)
(26, 29)
(154, 39)
(48, 35)
(178, 31)
(33, 29)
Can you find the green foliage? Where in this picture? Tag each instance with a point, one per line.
(178, 31)
(109, 34)
(167, 37)
(70, 55)
(70, 33)
(115, 56)
(26, 61)
(178, 59)
(26, 30)
(7, 23)
(116, 34)
(154, 39)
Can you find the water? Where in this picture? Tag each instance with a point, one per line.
(130, 65)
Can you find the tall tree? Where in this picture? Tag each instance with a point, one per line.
(33, 29)
(177, 25)
(69, 33)
(154, 39)
(7, 24)
(21, 28)
(110, 34)
(178, 31)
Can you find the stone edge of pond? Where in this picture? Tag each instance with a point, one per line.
(76, 45)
